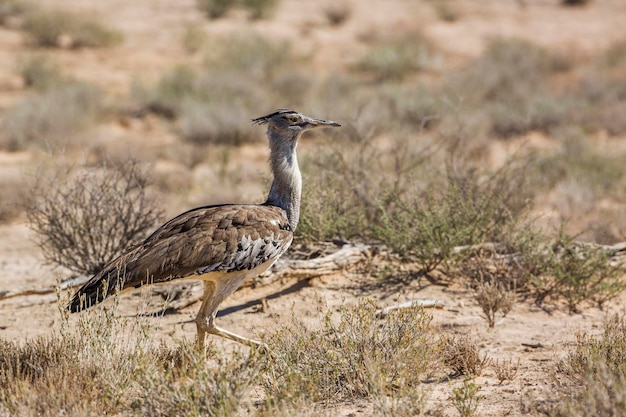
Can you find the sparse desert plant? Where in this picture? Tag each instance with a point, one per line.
(465, 398)
(84, 217)
(575, 2)
(12, 198)
(110, 365)
(260, 9)
(166, 97)
(358, 357)
(193, 39)
(494, 297)
(460, 353)
(51, 117)
(337, 12)
(40, 73)
(215, 9)
(14, 8)
(505, 370)
(509, 69)
(397, 58)
(447, 10)
(204, 123)
(56, 28)
(597, 372)
(575, 272)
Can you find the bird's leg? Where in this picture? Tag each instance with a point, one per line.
(202, 322)
(205, 320)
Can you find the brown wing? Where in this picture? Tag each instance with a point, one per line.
(215, 238)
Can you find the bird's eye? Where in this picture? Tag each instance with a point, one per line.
(294, 119)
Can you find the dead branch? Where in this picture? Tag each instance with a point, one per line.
(382, 313)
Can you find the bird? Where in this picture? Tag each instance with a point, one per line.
(218, 244)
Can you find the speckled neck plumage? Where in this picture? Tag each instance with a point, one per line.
(286, 188)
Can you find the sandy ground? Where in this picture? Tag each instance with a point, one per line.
(153, 29)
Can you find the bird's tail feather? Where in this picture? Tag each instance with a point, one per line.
(97, 289)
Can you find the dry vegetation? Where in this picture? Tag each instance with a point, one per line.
(414, 170)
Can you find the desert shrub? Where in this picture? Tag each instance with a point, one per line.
(56, 28)
(40, 73)
(615, 55)
(50, 117)
(467, 209)
(110, 365)
(12, 198)
(520, 116)
(597, 372)
(215, 8)
(465, 398)
(166, 97)
(506, 370)
(203, 123)
(14, 8)
(575, 2)
(356, 358)
(337, 12)
(259, 9)
(461, 355)
(599, 171)
(350, 181)
(574, 272)
(85, 217)
(193, 39)
(494, 297)
(397, 58)
(252, 56)
(509, 68)
(599, 101)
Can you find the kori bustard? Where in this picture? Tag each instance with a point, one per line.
(222, 244)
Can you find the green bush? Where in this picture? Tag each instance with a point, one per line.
(574, 272)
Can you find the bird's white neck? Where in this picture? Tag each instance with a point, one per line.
(286, 188)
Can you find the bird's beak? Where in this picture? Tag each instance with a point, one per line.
(313, 123)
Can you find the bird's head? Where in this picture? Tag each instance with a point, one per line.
(291, 121)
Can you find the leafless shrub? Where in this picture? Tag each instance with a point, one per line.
(494, 297)
(84, 217)
(505, 370)
(461, 354)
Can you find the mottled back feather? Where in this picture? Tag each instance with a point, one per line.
(206, 239)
